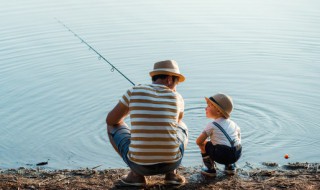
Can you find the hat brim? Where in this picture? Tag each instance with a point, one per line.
(181, 77)
(225, 114)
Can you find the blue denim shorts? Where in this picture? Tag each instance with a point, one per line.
(121, 137)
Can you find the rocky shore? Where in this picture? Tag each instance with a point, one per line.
(271, 176)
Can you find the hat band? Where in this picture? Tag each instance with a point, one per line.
(212, 99)
(168, 70)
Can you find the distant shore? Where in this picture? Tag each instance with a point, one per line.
(290, 176)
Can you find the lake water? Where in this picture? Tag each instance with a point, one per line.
(55, 93)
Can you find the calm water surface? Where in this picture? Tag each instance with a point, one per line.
(55, 93)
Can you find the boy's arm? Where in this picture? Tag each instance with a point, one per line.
(202, 141)
(239, 132)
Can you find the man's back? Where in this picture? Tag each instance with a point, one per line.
(154, 111)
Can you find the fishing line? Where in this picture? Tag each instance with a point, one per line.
(91, 48)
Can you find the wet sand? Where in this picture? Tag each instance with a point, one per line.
(271, 176)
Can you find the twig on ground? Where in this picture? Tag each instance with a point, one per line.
(96, 167)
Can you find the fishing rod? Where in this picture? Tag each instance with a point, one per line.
(91, 48)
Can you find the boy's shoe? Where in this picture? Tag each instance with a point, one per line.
(230, 169)
(210, 169)
(173, 178)
(209, 172)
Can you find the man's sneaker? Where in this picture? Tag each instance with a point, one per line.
(209, 172)
(132, 179)
(230, 169)
(173, 178)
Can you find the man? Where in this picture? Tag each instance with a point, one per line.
(157, 139)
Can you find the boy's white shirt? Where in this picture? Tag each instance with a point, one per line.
(216, 135)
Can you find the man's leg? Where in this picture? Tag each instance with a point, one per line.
(172, 177)
(119, 136)
(183, 134)
(112, 129)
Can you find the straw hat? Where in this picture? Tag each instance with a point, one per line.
(167, 67)
(223, 102)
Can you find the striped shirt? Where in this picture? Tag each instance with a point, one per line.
(154, 112)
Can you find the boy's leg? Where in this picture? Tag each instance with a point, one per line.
(208, 162)
(230, 169)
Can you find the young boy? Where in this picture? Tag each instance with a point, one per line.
(224, 146)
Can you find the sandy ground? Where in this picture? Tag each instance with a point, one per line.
(271, 176)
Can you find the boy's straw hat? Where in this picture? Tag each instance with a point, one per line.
(223, 102)
(167, 67)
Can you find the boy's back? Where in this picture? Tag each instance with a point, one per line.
(217, 136)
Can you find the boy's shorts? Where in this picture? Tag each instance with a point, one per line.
(223, 154)
(121, 137)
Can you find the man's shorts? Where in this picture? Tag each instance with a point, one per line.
(223, 154)
(121, 137)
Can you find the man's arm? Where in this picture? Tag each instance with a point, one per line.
(117, 114)
(181, 114)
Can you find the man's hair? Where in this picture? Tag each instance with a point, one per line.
(156, 77)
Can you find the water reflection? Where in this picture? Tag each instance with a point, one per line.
(55, 93)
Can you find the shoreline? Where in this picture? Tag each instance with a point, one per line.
(290, 176)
